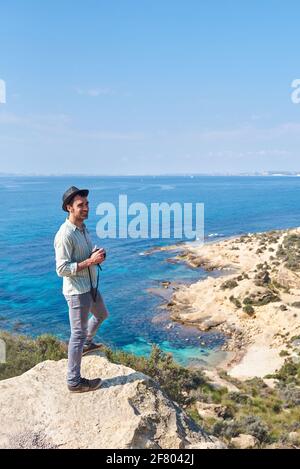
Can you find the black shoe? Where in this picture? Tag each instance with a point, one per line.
(91, 347)
(86, 385)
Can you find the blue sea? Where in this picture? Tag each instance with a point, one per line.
(31, 301)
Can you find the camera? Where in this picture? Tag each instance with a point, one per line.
(98, 249)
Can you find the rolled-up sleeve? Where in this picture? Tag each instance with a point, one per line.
(63, 256)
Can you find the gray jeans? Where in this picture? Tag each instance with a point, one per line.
(83, 329)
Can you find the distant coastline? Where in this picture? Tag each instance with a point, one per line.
(214, 174)
(256, 305)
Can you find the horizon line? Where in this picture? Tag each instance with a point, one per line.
(191, 174)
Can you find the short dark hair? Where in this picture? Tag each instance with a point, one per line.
(80, 193)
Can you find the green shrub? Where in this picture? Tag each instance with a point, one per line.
(290, 394)
(295, 337)
(235, 301)
(262, 278)
(276, 408)
(247, 301)
(226, 429)
(239, 397)
(261, 299)
(23, 353)
(284, 353)
(253, 425)
(249, 309)
(173, 378)
(250, 425)
(287, 372)
(229, 284)
(289, 251)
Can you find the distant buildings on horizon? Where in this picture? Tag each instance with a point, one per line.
(253, 173)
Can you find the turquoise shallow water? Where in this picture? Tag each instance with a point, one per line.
(30, 292)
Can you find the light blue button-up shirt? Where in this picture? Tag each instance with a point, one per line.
(73, 245)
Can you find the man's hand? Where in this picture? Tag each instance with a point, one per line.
(97, 257)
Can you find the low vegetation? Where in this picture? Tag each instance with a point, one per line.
(289, 252)
(22, 353)
(270, 415)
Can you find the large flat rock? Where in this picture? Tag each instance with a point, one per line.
(128, 411)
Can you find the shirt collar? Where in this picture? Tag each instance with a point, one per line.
(74, 227)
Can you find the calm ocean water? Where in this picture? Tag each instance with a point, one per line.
(31, 301)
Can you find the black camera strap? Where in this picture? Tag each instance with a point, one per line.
(94, 291)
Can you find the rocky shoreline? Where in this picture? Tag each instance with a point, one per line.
(255, 302)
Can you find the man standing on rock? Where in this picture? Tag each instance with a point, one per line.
(77, 262)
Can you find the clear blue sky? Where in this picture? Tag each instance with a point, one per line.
(149, 87)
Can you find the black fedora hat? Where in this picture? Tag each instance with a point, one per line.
(70, 194)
